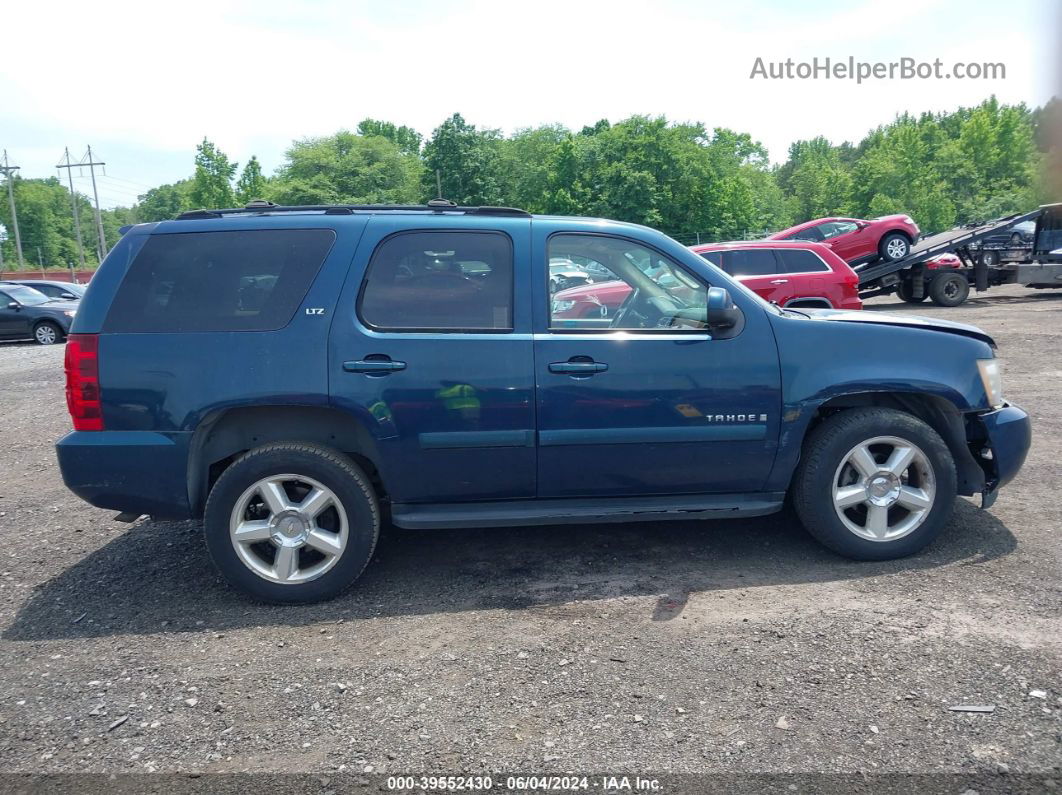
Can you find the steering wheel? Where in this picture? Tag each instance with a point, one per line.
(636, 312)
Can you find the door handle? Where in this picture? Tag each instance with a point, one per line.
(779, 281)
(381, 366)
(577, 367)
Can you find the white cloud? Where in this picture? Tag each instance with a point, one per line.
(255, 75)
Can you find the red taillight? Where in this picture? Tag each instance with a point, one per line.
(83, 382)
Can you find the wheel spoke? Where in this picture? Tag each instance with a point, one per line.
(863, 461)
(900, 459)
(877, 520)
(248, 532)
(274, 496)
(848, 496)
(914, 499)
(315, 502)
(324, 542)
(286, 564)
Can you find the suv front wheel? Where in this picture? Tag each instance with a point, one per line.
(875, 484)
(291, 523)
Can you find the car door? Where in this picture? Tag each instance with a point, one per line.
(12, 321)
(759, 270)
(847, 239)
(636, 406)
(431, 347)
(808, 277)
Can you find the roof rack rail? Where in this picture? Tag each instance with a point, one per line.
(260, 206)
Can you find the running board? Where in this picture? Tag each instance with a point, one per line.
(581, 510)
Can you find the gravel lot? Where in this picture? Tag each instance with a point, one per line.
(676, 647)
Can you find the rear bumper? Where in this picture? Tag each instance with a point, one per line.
(1007, 436)
(135, 471)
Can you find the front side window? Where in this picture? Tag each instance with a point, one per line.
(638, 288)
(800, 260)
(440, 281)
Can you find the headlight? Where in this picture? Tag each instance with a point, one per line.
(992, 379)
(562, 306)
(69, 312)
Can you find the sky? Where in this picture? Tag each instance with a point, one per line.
(143, 83)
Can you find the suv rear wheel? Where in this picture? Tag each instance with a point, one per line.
(905, 292)
(292, 523)
(875, 484)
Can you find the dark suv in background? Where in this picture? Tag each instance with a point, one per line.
(291, 374)
(26, 313)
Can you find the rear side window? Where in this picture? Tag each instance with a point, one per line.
(800, 261)
(440, 281)
(714, 257)
(219, 281)
(751, 262)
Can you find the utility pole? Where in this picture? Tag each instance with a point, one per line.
(101, 248)
(9, 172)
(73, 202)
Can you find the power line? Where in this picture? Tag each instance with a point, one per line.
(73, 203)
(9, 172)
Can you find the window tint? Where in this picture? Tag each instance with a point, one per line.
(800, 261)
(26, 296)
(638, 289)
(439, 281)
(219, 281)
(751, 262)
(714, 257)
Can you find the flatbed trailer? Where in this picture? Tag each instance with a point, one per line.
(914, 279)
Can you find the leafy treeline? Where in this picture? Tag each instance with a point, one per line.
(683, 178)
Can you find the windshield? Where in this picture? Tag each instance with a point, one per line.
(26, 296)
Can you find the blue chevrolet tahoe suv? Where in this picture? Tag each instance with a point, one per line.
(291, 373)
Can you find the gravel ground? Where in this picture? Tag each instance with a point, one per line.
(737, 646)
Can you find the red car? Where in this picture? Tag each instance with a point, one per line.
(790, 273)
(857, 241)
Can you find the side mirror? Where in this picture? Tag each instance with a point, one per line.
(68, 296)
(862, 225)
(722, 314)
(14, 305)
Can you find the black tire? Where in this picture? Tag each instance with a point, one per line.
(892, 240)
(989, 258)
(335, 471)
(47, 333)
(905, 292)
(824, 451)
(1015, 239)
(949, 289)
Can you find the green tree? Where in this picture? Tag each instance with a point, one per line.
(346, 168)
(468, 162)
(252, 184)
(407, 139)
(212, 183)
(164, 202)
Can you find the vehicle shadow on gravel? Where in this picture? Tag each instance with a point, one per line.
(156, 577)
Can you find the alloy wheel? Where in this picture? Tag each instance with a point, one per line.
(289, 529)
(884, 488)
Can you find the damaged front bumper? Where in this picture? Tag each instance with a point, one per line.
(999, 440)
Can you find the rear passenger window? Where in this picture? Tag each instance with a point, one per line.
(714, 257)
(751, 262)
(218, 281)
(801, 261)
(440, 281)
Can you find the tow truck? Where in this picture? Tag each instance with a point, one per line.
(914, 278)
